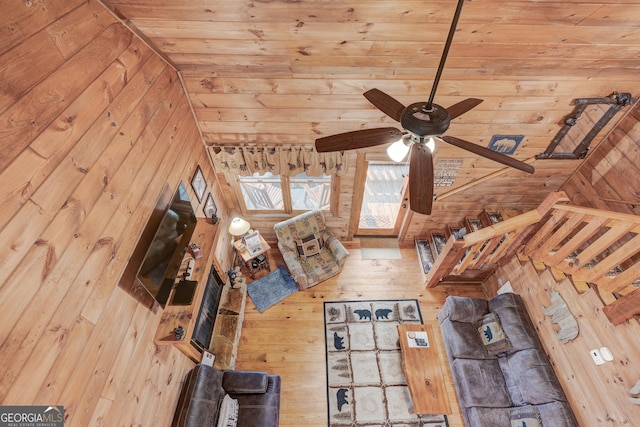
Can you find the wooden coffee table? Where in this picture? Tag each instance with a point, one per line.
(422, 370)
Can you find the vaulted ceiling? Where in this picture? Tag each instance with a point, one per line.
(290, 71)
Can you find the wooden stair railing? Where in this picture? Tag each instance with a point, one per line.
(489, 245)
(601, 248)
(598, 247)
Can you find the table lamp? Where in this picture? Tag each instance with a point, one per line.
(238, 227)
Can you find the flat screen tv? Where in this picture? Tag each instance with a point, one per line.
(164, 254)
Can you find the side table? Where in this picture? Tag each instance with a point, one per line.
(256, 260)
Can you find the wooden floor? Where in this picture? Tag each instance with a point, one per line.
(288, 339)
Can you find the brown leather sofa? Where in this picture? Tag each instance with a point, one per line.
(204, 387)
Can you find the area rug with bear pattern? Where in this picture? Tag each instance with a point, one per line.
(365, 383)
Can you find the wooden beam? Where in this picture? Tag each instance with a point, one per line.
(623, 308)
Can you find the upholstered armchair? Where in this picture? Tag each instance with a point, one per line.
(312, 253)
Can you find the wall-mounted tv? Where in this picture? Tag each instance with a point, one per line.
(164, 254)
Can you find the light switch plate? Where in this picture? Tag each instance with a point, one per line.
(596, 356)
(208, 358)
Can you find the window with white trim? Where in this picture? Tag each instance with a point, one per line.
(276, 193)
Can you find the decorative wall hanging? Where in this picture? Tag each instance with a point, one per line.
(210, 209)
(446, 172)
(505, 144)
(559, 313)
(559, 149)
(199, 184)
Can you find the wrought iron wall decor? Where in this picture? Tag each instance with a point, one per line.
(616, 100)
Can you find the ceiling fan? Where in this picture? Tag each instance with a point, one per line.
(421, 123)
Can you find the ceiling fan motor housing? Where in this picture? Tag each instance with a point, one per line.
(420, 121)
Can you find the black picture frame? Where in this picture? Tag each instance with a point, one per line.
(199, 184)
(210, 209)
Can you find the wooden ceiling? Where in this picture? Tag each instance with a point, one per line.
(290, 71)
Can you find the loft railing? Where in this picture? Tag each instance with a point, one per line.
(600, 248)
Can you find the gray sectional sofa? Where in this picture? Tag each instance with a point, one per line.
(501, 373)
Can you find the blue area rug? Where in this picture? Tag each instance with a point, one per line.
(271, 289)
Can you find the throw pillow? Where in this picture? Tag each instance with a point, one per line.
(492, 335)
(228, 413)
(525, 416)
(310, 245)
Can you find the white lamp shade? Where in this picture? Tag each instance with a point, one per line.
(431, 144)
(238, 226)
(398, 150)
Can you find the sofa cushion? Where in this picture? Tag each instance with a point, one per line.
(245, 382)
(228, 414)
(511, 380)
(556, 414)
(479, 416)
(480, 383)
(553, 414)
(321, 266)
(292, 229)
(463, 341)
(463, 309)
(492, 335)
(525, 416)
(515, 321)
(530, 378)
(200, 397)
(310, 245)
(260, 409)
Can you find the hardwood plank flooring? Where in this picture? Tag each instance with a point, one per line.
(288, 338)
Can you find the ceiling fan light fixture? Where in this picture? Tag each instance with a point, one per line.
(431, 144)
(399, 150)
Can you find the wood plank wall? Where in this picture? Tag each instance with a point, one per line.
(610, 176)
(93, 127)
(599, 395)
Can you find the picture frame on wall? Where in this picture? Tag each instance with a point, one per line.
(210, 209)
(199, 184)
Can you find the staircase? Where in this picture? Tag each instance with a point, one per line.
(593, 248)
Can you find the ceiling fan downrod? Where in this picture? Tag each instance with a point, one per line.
(454, 23)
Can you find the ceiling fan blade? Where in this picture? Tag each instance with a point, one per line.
(489, 154)
(462, 107)
(385, 103)
(421, 179)
(357, 139)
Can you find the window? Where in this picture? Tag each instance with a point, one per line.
(270, 192)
